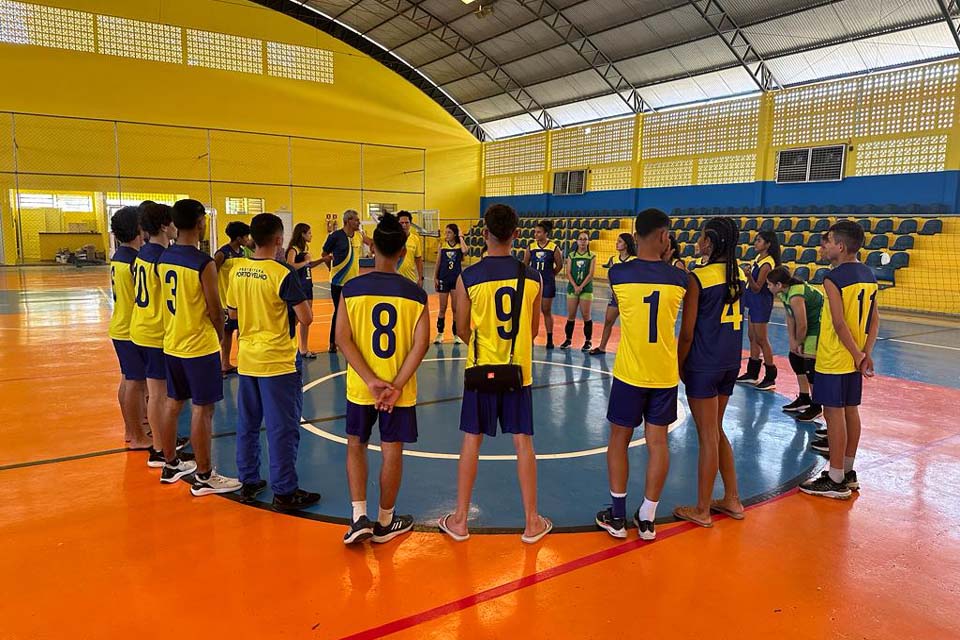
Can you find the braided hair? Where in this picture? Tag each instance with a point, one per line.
(723, 234)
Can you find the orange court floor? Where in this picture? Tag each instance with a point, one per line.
(92, 546)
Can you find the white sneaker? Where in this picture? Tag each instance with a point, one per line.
(216, 483)
(438, 339)
(457, 340)
(171, 474)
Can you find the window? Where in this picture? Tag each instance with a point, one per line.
(71, 203)
(569, 182)
(299, 63)
(377, 209)
(250, 206)
(819, 164)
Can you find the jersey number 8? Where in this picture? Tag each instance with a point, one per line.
(381, 329)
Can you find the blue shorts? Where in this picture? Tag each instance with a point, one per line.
(838, 389)
(447, 284)
(131, 365)
(710, 384)
(759, 311)
(199, 380)
(631, 406)
(154, 362)
(481, 411)
(549, 289)
(400, 425)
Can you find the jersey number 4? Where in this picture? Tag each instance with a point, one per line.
(732, 315)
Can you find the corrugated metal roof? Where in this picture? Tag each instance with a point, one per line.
(507, 127)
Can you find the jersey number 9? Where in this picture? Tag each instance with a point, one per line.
(500, 299)
(383, 329)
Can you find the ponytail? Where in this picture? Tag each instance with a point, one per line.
(773, 248)
(723, 234)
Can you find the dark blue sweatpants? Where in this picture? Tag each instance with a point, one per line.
(278, 402)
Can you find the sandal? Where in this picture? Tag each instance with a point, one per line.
(442, 523)
(736, 515)
(548, 527)
(686, 513)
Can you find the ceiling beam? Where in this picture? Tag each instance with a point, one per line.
(737, 42)
(949, 11)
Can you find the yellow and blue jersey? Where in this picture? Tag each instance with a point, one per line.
(407, 267)
(648, 294)
(718, 333)
(263, 292)
(491, 286)
(346, 253)
(451, 262)
(541, 258)
(146, 321)
(858, 290)
(223, 273)
(764, 298)
(189, 332)
(121, 282)
(383, 310)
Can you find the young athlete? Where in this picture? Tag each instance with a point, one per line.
(298, 257)
(225, 259)
(626, 251)
(125, 225)
(802, 305)
(486, 294)
(146, 324)
(384, 331)
(266, 302)
(711, 336)
(544, 256)
(648, 293)
(759, 303)
(580, 267)
(848, 333)
(449, 265)
(342, 252)
(411, 264)
(193, 322)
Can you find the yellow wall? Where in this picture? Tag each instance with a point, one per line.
(328, 168)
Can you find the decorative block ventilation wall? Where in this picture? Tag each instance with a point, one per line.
(594, 144)
(903, 155)
(516, 155)
(136, 39)
(715, 128)
(223, 51)
(23, 23)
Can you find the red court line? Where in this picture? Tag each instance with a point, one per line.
(534, 578)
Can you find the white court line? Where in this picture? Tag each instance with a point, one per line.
(681, 416)
(923, 344)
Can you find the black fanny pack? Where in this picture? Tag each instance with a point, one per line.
(497, 378)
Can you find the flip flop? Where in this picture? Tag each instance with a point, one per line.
(684, 513)
(535, 539)
(736, 515)
(442, 523)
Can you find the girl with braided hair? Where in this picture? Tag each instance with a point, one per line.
(759, 303)
(711, 336)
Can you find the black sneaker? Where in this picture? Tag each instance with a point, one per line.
(811, 414)
(820, 445)
(564, 345)
(825, 487)
(250, 490)
(398, 526)
(766, 385)
(180, 468)
(359, 531)
(616, 527)
(849, 479)
(155, 459)
(645, 528)
(821, 432)
(597, 351)
(549, 344)
(752, 374)
(214, 483)
(797, 405)
(182, 441)
(296, 500)
(586, 347)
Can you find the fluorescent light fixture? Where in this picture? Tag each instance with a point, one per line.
(466, 1)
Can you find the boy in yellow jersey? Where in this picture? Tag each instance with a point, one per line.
(225, 259)
(411, 264)
(383, 329)
(266, 301)
(848, 331)
(193, 323)
(146, 321)
(486, 295)
(125, 225)
(648, 292)
(341, 252)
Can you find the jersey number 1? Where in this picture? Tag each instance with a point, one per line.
(654, 301)
(865, 321)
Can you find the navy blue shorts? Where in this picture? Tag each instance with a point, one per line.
(447, 284)
(154, 362)
(709, 384)
(132, 365)
(400, 425)
(549, 289)
(513, 410)
(759, 311)
(838, 389)
(199, 380)
(631, 406)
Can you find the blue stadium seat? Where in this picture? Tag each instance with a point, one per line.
(807, 256)
(688, 251)
(766, 224)
(881, 241)
(789, 255)
(794, 240)
(931, 227)
(750, 253)
(803, 224)
(900, 259)
(906, 226)
(692, 224)
(738, 252)
(873, 259)
(813, 240)
(750, 224)
(902, 243)
(865, 224)
(884, 225)
(785, 224)
(744, 237)
(802, 272)
(821, 225)
(595, 234)
(781, 237)
(819, 275)
(615, 224)
(684, 236)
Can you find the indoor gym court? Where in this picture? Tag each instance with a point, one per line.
(715, 94)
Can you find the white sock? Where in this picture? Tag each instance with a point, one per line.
(648, 509)
(836, 475)
(359, 509)
(848, 463)
(385, 517)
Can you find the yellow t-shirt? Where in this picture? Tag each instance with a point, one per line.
(223, 273)
(383, 310)
(121, 281)
(407, 267)
(146, 321)
(858, 291)
(189, 331)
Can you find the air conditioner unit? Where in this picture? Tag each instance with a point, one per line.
(568, 183)
(812, 164)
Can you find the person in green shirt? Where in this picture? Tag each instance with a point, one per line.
(580, 267)
(803, 305)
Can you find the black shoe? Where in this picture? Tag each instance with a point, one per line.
(296, 500)
(811, 414)
(597, 351)
(398, 526)
(616, 527)
(182, 441)
(565, 345)
(820, 445)
(849, 479)
(825, 487)
(586, 347)
(250, 490)
(155, 459)
(646, 528)
(798, 405)
(821, 432)
(769, 382)
(752, 375)
(359, 531)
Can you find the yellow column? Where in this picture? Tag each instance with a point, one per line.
(765, 164)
